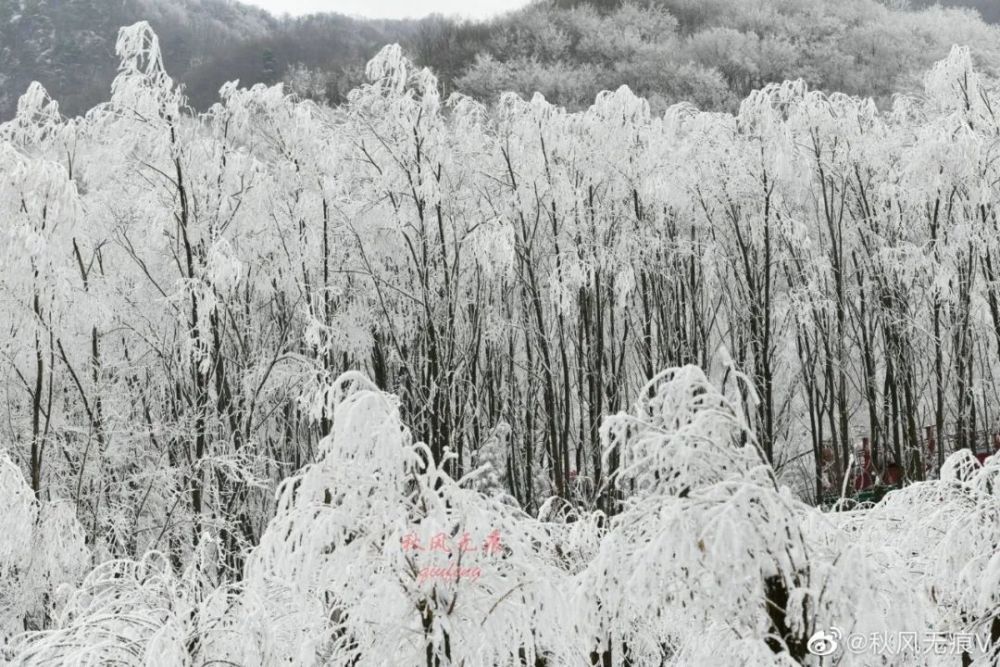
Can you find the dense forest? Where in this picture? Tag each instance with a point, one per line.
(711, 52)
(415, 380)
(988, 9)
(411, 364)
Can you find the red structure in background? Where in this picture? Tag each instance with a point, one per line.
(996, 449)
(863, 475)
(893, 474)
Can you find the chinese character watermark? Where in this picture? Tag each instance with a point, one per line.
(440, 543)
(444, 544)
(828, 642)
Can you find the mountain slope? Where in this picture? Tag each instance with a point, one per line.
(988, 9)
(714, 52)
(68, 45)
(711, 52)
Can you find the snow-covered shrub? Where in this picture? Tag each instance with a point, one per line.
(146, 613)
(942, 537)
(42, 554)
(704, 539)
(710, 561)
(376, 556)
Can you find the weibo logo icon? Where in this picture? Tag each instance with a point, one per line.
(825, 643)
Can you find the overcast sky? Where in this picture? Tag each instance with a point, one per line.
(391, 8)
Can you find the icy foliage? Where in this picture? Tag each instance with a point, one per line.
(380, 384)
(42, 554)
(376, 554)
(346, 564)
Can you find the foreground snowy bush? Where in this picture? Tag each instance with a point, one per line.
(944, 537)
(376, 556)
(42, 553)
(348, 572)
(710, 559)
(352, 575)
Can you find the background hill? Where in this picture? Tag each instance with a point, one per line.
(68, 45)
(711, 52)
(988, 9)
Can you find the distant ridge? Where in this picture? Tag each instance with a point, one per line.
(711, 53)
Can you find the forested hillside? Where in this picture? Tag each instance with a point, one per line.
(989, 10)
(711, 52)
(714, 52)
(69, 45)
